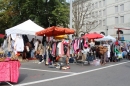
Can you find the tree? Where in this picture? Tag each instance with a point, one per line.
(5, 15)
(58, 13)
(28, 9)
(43, 12)
(83, 16)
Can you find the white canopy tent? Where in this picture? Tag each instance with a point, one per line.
(28, 28)
(102, 39)
(106, 38)
(112, 38)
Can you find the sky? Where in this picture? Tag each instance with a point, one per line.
(67, 0)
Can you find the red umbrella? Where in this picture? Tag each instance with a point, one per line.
(55, 31)
(92, 36)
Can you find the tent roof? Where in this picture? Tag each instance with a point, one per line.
(112, 38)
(28, 27)
(102, 39)
(106, 38)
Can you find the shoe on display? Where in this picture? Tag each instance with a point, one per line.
(64, 68)
(58, 67)
(39, 62)
(42, 61)
(68, 67)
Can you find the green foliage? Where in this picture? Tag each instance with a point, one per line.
(59, 13)
(42, 12)
(1, 41)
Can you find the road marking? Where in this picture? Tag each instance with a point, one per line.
(74, 74)
(46, 70)
(9, 84)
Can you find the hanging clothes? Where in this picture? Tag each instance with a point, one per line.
(36, 45)
(25, 39)
(81, 43)
(54, 49)
(68, 52)
(9, 43)
(71, 49)
(59, 48)
(44, 40)
(62, 48)
(19, 44)
(5, 45)
(47, 55)
(75, 45)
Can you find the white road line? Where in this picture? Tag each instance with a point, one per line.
(46, 70)
(9, 84)
(74, 74)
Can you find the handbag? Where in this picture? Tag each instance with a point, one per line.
(101, 52)
(57, 58)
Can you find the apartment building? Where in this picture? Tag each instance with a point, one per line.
(111, 14)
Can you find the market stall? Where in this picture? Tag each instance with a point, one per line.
(9, 70)
(56, 49)
(23, 31)
(28, 27)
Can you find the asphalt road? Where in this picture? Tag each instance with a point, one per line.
(112, 74)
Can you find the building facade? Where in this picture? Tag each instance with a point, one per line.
(111, 14)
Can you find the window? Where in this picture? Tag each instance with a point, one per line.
(100, 13)
(92, 14)
(122, 7)
(96, 13)
(96, 5)
(89, 15)
(92, 5)
(122, 19)
(104, 12)
(104, 2)
(116, 20)
(96, 23)
(100, 4)
(104, 22)
(100, 22)
(116, 9)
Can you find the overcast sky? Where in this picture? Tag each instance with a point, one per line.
(67, 0)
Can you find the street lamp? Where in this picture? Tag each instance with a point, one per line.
(70, 14)
(106, 30)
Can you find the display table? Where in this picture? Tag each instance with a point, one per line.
(9, 71)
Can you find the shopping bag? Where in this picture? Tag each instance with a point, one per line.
(96, 62)
(120, 55)
(57, 58)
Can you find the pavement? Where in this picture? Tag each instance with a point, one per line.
(111, 74)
